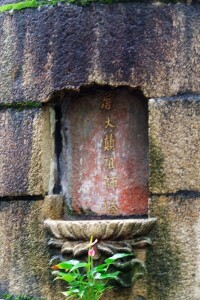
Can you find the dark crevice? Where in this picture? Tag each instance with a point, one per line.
(58, 148)
(182, 193)
(105, 217)
(22, 198)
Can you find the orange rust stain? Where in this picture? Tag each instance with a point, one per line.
(133, 201)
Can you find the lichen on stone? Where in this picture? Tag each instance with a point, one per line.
(164, 258)
(20, 105)
(156, 157)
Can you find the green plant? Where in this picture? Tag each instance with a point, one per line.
(86, 281)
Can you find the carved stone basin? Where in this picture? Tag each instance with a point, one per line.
(70, 239)
(119, 229)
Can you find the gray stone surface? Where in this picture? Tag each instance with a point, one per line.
(173, 261)
(156, 49)
(22, 151)
(24, 256)
(3, 2)
(174, 144)
(53, 207)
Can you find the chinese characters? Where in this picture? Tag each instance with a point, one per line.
(110, 180)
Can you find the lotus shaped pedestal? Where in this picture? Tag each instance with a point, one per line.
(121, 229)
(71, 238)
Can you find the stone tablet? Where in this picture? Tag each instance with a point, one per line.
(105, 155)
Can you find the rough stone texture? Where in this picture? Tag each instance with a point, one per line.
(17, 147)
(52, 207)
(104, 165)
(157, 49)
(138, 292)
(174, 144)
(2, 2)
(24, 257)
(47, 144)
(173, 261)
(21, 152)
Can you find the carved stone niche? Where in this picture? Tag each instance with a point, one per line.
(102, 171)
(70, 239)
(101, 145)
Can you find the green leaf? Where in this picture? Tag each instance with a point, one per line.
(75, 291)
(106, 276)
(57, 278)
(101, 267)
(100, 286)
(67, 294)
(111, 259)
(79, 265)
(66, 277)
(67, 265)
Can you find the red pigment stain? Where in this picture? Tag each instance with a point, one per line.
(133, 201)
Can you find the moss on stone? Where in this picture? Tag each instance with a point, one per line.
(20, 105)
(19, 5)
(157, 175)
(164, 258)
(20, 297)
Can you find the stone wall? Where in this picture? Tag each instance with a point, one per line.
(175, 187)
(46, 52)
(66, 47)
(26, 151)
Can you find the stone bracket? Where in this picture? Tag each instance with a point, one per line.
(71, 238)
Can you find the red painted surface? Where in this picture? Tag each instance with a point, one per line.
(86, 174)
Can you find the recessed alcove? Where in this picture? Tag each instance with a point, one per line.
(101, 170)
(101, 144)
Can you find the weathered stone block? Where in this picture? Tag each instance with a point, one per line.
(24, 157)
(53, 207)
(23, 253)
(174, 144)
(172, 262)
(67, 47)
